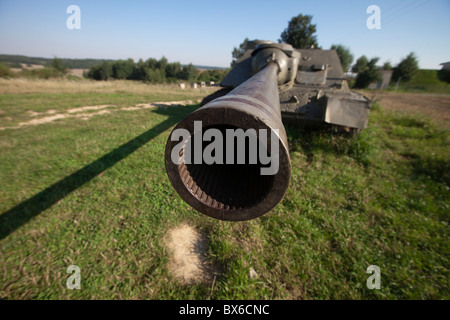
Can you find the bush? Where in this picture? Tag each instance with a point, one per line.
(173, 70)
(189, 72)
(122, 69)
(15, 65)
(46, 73)
(57, 64)
(42, 73)
(5, 72)
(444, 75)
(154, 76)
(101, 72)
(73, 78)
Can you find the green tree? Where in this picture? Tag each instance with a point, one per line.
(204, 76)
(152, 63)
(345, 56)
(154, 76)
(368, 75)
(360, 65)
(173, 70)
(406, 69)
(122, 69)
(300, 32)
(101, 72)
(387, 66)
(5, 71)
(162, 63)
(189, 72)
(57, 64)
(238, 51)
(149, 71)
(139, 71)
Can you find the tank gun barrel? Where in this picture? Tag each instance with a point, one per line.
(229, 159)
(233, 190)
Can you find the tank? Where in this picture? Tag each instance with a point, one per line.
(229, 159)
(316, 93)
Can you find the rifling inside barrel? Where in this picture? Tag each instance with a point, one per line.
(236, 191)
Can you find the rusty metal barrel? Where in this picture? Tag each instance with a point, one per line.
(233, 191)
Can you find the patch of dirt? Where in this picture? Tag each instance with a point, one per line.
(86, 116)
(83, 116)
(138, 107)
(434, 106)
(43, 120)
(165, 105)
(189, 261)
(88, 108)
(80, 112)
(37, 114)
(174, 103)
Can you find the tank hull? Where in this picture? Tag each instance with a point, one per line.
(319, 95)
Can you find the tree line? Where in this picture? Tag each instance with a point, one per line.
(153, 71)
(149, 71)
(14, 61)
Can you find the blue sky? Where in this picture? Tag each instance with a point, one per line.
(205, 32)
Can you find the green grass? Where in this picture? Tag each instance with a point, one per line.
(15, 106)
(425, 81)
(94, 193)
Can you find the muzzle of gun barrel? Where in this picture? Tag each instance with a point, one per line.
(233, 190)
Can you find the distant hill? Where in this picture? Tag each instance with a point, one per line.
(207, 67)
(14, 60)
(69, 63)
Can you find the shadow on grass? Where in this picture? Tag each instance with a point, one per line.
(14, 218)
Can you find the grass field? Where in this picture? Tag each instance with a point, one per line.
(94, 193)
(424, 81)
